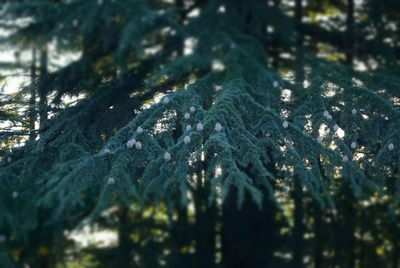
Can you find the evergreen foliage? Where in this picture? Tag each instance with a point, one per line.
(204, 133)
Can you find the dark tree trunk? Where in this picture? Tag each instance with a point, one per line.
(297, 242)
(32, 99)
(44, 262)
(349, 231)
(205, 220)
(42, 249)
(124, 258)
(299, 68)
(344, 224)
(393, 221)
(249, 234)
(42, 88)
(319, 237)
(275, 46)
(204, 231)
(180, 238)
(299, 227)
(350, 32)
(396, 254)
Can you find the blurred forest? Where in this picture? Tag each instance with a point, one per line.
(199, 133)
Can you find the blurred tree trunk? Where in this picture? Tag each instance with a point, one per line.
(180, 238)
(42, 87)
(299, 215)
(350, 32)
(43, 248)
(318, 236)
(299, 227)
(299, 50)
(205, 219)
(32, 99)
(344, 228)
(124, 258)
(345, 220)
(349, 230)
(249, 234)
(275, 46)
(393, 221)
(396, 254)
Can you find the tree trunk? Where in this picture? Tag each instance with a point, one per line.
(393, 221)
(180, 238)
(274, 44)
(349, 231)
(32, 99)
(299, 227)
(396, 254)
(42, 88)
(319, 237)
(350, 32)
(123, 258)
(299, 68)
(205, 220)
(249, 234)
(344, 223)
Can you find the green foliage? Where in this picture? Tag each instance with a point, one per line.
(292, 156)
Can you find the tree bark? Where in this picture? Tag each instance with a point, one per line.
(32, 99)
(350, 32)
(180, 238)
(42, 88)
(318, 237)
(275, 46)
(205, 220)
(299, 68)
(249, 234)
(396, 254)
(123, 258)
(299, 227)
(344, 224)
